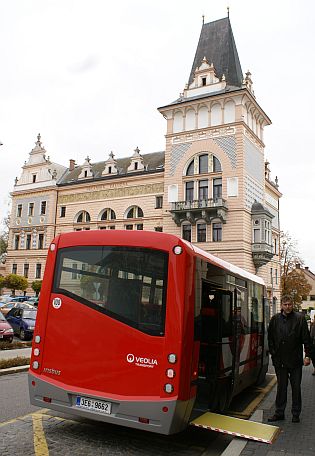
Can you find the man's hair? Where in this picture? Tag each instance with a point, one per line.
(286, 298)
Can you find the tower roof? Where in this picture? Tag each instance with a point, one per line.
(217, 44)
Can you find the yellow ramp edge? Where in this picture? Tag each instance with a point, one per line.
(238, 427)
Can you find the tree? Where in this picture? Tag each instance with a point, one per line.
(289, 256)
(4, 236)
(1, 282)
(294, 284)
(15, 282)
(37, 285)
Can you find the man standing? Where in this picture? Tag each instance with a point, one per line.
(287, 333)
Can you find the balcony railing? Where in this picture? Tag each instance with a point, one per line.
(206, 209)
(262, 253)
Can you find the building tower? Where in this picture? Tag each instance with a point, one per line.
(216, 183)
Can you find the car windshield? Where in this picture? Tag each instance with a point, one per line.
(30, 314)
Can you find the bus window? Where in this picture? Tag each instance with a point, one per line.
(125, 283)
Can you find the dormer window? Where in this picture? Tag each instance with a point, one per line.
(85, 173)
(204, 81)
(109, 170)
(136, 165)
(34, 178)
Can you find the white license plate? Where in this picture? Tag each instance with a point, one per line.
(94, 404)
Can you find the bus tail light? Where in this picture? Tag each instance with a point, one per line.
(177, 249)
(172, 358)
(170, 373)
(165, 409)
(168, 388)
(36, 351)
(47, 399)
(35, 365)
(52, 247)
(37, 339)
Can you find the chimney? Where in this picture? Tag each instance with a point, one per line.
(306, 268)
(72, 164)
(298, 266)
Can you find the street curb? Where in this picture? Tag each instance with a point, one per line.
(14, 370)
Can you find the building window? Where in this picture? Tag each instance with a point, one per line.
(111, 227)
(63, 211)
(19, 210)
(41, 241)
(216, 165)
(276, 276)
(140, 226)
(85, 173)
(16, 242)
(30, 209)
(217, 232)
(136, 165)
(26, 269)
(158, 228)
(14, 268)
(201, 232)
(43, 206)
(204, 81)
(190, 169)
(109, 170)
(189, 191)
(108, 214)
(74, 274)
(203, 190)
(217, 188)
(28, 241)
(34, 178)
(129, 227)
(256, 235)
(83, 217)
(267, 232)
(275, 249)
(158, 202)
(203, 163)
(38, 272)
(134, 212)
(187, 232)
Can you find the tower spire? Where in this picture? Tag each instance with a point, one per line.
(228, 11)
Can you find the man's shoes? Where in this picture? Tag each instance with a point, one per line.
(276, 417)
(295, 419)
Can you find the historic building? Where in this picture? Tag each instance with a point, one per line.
(211, 185)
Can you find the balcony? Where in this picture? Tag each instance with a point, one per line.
(206, 209)
(262, 253)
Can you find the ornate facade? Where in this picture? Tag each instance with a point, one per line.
(211, 185)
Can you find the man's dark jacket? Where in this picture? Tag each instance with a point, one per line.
(286, 337)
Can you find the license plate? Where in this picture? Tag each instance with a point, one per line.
(1, 336)
(94, 404)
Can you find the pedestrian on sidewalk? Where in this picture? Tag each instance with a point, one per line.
(287, 333)
(313, 343)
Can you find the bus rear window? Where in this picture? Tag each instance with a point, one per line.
(128, 284)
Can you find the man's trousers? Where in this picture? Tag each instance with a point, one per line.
(295, 376)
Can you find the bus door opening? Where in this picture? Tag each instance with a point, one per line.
(217, 349)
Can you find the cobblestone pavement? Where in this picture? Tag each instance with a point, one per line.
(295, 439)
(66, 437)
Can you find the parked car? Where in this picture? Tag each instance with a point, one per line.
(12, 305)
(22, 321)
(4, 299)
(20, 298)
(33, 301)
(6, 331)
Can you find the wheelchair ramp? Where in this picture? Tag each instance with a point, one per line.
(237, 427)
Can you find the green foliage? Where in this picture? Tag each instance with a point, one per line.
(15, 282)
(37, 285)
(4, 236)
(2, 282)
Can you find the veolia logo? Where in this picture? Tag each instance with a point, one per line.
(130, 358)
(141, 361)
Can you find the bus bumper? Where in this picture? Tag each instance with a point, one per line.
(162, 416)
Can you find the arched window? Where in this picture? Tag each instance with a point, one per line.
(134, 212)
(216, 165)
(83, 217)
(108, 214)
(190, 169)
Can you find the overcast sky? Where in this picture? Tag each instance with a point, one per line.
(89, 75)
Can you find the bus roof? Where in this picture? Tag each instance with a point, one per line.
(146, 239)
(226, 265)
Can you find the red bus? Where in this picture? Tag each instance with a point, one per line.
(141, 328)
